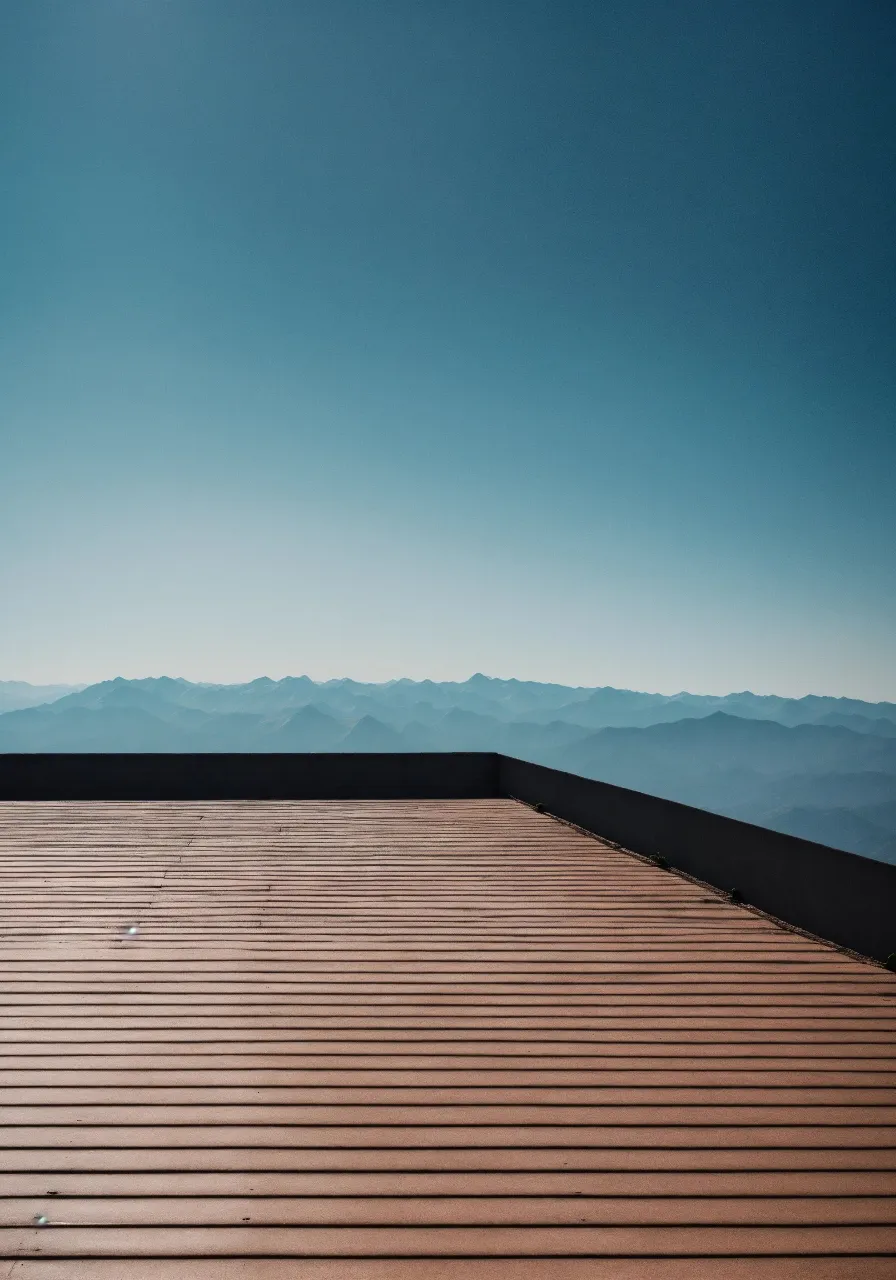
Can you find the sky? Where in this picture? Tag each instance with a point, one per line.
(535, 337)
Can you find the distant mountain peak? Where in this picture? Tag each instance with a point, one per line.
(311, 713)
(370, 734)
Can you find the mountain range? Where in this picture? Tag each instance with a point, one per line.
(819, 767)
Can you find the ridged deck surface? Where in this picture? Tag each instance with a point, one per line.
(429, 1040)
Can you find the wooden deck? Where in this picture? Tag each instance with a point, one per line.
(431, 1040)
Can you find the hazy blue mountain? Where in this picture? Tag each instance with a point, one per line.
(720, 741)
(878, 725)
(882, 815)
(418, 736)
(624, 708)
(856, 791)
(308, 729)
(530, 740)
(157, 696)
(620, 708)
(370, 734)
(17, 694)
(462, 730)
(842, 828)
(87, 729)
(229, 731)
(400, 701)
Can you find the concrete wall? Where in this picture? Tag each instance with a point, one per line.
(840, 896)
(220, 776)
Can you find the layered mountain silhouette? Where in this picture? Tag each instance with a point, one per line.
(819, 767)
(16, 694)
(308, 729)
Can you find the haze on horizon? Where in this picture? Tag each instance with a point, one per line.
(549, 340)
(385, 682)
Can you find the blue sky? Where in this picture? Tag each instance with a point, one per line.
(546, 339)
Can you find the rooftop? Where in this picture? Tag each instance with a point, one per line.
(430, 1039)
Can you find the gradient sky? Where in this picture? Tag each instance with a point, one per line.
(543, 338)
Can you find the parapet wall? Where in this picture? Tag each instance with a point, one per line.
(262, 776)
(848, 899)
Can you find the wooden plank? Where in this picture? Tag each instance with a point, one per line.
(559, 1182)
(459, 1242)
(818, 1267)
(465, 1159)
(410, 1210)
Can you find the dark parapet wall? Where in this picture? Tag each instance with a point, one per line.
(221, 776)
(848, 899)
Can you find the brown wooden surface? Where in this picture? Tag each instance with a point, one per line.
(421, 1041)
